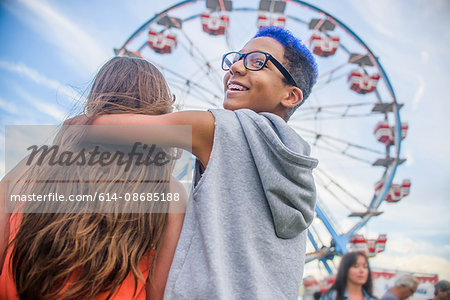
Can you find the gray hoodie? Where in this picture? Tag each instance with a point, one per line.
(244, 234)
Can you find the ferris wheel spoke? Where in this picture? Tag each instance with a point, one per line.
(339, 140)
(326, 186)
(329, 216)
(198, 94)
(331, 112)
(189, 82)
(322, 83)
(377, 94)
(337, 117)
(297, 19)
(187, 90)
(356, 104)
(351, 156)
(142, 46)
(194, 92)
(341, 188)
(316, 235)
(343, 153)
(336, 110)
(228, 39)
(205, 62)
(204, 76)
(315, 116)
(320, 251)
(198, 60)
(331, 71)
(205, 70)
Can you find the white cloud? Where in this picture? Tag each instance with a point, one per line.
(8, 106)
(425, 55)
(79, 48)
(409, 209)
(39, 78)
(387, 18)
(409, 156)
(404, 245)
(42, 107)
(410, 262)
(420, 90)
(378, 10)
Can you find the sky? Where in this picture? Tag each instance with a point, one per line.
(51, 51)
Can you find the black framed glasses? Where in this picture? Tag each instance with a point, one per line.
(255, 61)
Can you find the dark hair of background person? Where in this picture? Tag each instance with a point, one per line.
(340, 284)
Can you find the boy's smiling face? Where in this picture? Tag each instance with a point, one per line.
(260, 91)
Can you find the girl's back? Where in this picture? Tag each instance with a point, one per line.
(77, 251)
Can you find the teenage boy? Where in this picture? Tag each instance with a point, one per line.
(244, 233)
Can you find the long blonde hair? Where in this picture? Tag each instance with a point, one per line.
(75, 254)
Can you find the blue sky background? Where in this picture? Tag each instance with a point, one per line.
(52, 49)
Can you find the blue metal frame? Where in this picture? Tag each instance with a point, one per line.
(340, 241)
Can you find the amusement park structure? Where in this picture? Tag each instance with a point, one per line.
(352, 119)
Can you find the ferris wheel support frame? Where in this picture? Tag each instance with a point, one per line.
(339, 241)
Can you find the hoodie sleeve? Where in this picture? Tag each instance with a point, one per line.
(285, 170)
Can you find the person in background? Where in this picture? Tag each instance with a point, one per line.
(405, 286)
(353, 280)
(317, 295)
(442, 290)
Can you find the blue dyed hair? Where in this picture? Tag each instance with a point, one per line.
(299, 61)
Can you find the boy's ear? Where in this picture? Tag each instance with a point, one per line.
(294, 98)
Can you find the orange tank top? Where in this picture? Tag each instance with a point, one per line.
(8, 289)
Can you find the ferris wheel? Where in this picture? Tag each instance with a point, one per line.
(351, 120)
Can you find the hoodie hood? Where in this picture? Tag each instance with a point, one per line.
(285, 170)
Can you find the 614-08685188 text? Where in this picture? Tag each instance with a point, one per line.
(162, 197)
